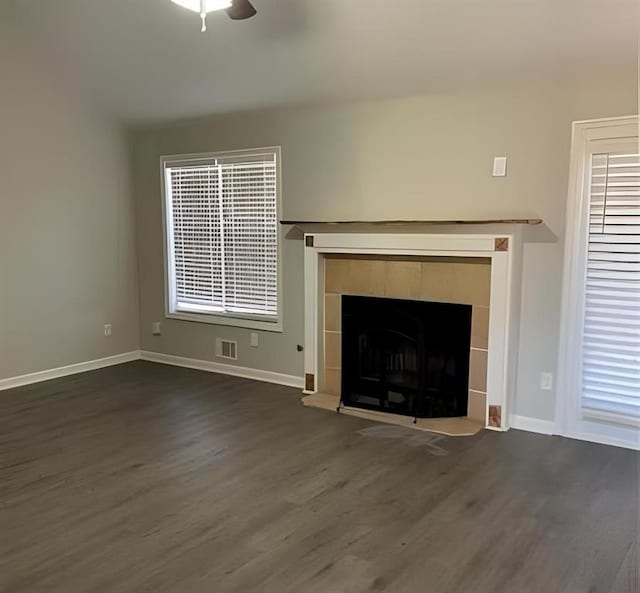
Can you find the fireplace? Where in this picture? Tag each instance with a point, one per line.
(444, 271)
(405, 356)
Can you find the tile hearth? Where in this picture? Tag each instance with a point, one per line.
(447, 426)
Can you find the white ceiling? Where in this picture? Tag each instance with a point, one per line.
(147, 60)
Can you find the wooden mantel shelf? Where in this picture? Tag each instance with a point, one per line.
(525, 221)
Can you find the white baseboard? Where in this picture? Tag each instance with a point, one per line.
(72, 369)
(191, 363)
(548, 427)
(632, 443)
(533, 424)
(224, 369)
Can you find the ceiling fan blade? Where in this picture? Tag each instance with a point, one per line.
(240, 10)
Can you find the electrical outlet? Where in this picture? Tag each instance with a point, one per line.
(107, 329)
(546, 381)
(156, 328)
(254, 340)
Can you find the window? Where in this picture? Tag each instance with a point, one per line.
(222, 237)
(598, 392)
(611, 333)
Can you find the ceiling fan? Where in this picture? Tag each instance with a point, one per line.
(237, 10)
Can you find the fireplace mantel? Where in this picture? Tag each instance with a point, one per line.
(504, 251)
(435, 222)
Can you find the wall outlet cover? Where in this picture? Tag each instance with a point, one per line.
(546, 381)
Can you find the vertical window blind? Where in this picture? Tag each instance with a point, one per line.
(222, 233)
(611, 337)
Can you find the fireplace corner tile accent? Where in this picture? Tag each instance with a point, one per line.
(502, 244)
(308, 241)
(309, 382)
(495, 416)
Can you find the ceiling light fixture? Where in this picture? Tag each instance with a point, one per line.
(204, 7)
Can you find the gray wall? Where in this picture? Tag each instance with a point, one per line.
(67, 245)
(416, 158)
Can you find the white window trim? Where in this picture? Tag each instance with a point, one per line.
(233, 320)
(571, 421)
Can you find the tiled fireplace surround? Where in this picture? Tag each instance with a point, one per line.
(439, 279)
(479, 265)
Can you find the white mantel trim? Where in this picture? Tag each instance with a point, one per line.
(504, 299)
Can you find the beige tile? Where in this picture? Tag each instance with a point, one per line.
(477, 406)
(478, 370)
(402, 279)
(332, 312)
(332, 381)
(480, 327)
(438, 282)
(479, 283)
(431, 288)
(463, 282)
(336, 274)
(366, 277)
(355, 276)
(332, 346)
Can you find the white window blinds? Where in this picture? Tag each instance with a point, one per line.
(222, 233)
(611, 337)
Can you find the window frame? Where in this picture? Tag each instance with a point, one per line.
(274, 324)
(572, 420)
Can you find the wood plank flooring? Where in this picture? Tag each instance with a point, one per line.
(146, 478)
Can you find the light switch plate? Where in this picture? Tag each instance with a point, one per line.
(500, 166)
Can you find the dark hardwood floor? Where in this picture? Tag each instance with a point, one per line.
(147, 478)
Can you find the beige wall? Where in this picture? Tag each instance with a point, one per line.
(67, 248)
(416, 158)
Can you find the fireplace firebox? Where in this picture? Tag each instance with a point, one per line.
(405, 357)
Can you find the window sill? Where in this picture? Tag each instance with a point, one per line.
(270, 326)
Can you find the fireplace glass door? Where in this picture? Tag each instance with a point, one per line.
(405, 357)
